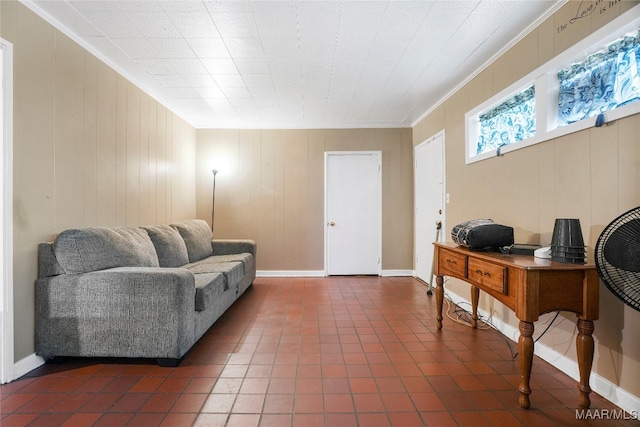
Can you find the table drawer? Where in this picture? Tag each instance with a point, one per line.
(488, 275)
(452, 264)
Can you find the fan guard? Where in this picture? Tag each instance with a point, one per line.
(617, 256)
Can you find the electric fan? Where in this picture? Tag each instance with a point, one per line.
(617, 256)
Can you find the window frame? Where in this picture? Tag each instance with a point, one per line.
(546, 84)
(478, 124)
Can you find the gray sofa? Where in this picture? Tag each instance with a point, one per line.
(138, 292)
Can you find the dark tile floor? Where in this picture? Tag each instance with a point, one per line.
(340, 351)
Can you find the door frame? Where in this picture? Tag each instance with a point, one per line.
(416, 195)
(327, 154)
(6, 215)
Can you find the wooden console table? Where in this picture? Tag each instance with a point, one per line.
(530, 287)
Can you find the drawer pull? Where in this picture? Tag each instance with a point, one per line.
(452, 262)
(485, 273)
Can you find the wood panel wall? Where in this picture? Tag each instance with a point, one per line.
(593, 175)
(90, 149)
(271, 188)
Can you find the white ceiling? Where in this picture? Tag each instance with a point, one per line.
(296, 64)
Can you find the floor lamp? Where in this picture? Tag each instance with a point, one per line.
(213, 197)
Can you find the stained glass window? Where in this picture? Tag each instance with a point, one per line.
(512, 121)
(605, 80)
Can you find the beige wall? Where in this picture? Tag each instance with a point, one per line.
(90, 149)
(274, 192)
(593, 175)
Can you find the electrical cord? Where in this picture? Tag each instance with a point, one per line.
(514, 355)
(463, 317)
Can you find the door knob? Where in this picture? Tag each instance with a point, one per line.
(332, 223)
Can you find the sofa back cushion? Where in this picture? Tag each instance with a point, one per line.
(197, 236)
(48, 265)
(170, 247)
(89, 249)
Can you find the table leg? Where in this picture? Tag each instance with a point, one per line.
(475, 296)
(439, 299)
(584, 347)
(525, 350)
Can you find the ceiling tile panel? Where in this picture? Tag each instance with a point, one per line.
(283, 66)
(252, 66)
(318, 26)
(217, 66)
(245, 48)
(188, 66)
(199, 80)
(173, 48)
(156, 66)
(266, 102)
(236, 25)
(333, 63)
(277, 47)
(211, 91)
(443, 21)
(244, 102)
(225, 81)
(184, 92)
(206, 48)
(177, 6)
(116, 5)
(228, 6)
(257, 80)
(277, 25)
(112, 24)
(235, 91)
(402, 19)
(154, 24)
(262, 91)
(219, 104)
(171, 80)
(291, 101)
(194, 25)
(138, 48)
(312, 66)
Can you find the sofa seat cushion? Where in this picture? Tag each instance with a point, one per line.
(197, 237)
(84, 250)
(209, 287)
(170, 247)
(245, 258)
(233, 271)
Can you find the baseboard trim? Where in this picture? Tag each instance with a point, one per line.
(396, 273)
(605, 388)
(26, 365)
(290, 273)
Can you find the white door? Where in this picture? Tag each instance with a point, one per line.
(6, 213)
(429, 200)
(353, 206)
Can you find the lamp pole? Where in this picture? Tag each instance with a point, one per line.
(213, 197)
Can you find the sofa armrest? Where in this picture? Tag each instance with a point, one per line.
(118, 312)
(237, 246)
